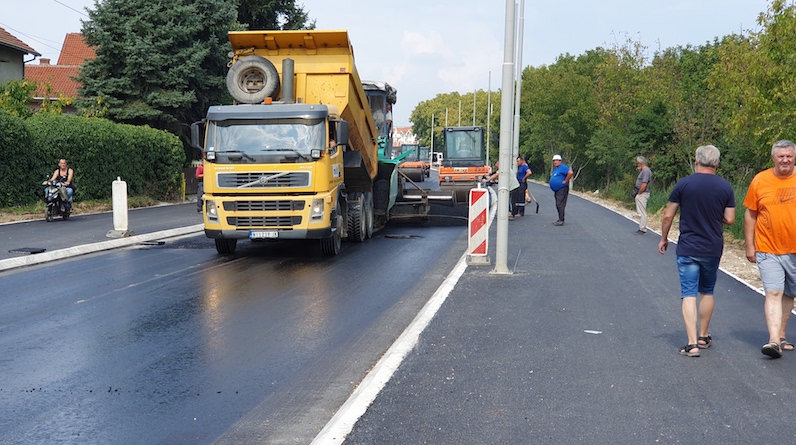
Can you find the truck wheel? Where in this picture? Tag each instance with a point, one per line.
(332, 245)
(368, 198)
(251, 79)
(226, 246)
(356, 218)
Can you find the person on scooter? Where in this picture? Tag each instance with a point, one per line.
(64, 174)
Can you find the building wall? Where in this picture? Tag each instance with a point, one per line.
(11, 64)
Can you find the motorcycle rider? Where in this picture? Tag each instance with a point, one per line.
(64, 174)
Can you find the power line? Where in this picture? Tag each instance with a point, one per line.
(73, 9)
(26, 35)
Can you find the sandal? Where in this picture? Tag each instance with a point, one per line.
(686, 350)
(772, 350)
(785, 345)
(708, 341)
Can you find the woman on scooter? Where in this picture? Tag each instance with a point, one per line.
(64, 174)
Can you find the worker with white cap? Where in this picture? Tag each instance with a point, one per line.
(559, 183)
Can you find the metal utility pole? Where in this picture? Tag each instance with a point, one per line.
(518, 82)
(432, 137)
(502, 241)
(488, 117)
(460, 112)
(474, 91)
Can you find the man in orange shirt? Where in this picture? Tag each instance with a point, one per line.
(770, 235)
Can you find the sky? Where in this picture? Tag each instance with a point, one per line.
(429, 47)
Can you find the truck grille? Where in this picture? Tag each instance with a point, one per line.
(263, 206)
(267, 180)
(264, 221)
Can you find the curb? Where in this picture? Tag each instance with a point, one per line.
(45, 257)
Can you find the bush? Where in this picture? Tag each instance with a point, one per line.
(99, 151)
(23, 166)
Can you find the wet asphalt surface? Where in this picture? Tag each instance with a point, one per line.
(175, 344)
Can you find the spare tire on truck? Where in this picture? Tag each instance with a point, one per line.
(251, 79)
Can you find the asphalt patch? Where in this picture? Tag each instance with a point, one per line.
(29, 250)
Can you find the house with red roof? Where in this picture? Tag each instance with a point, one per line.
(61, 76)
(12, 57)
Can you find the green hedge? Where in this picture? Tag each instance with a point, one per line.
(99, 151)
(21, 159)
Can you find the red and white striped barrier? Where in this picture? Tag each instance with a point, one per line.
(478, 227)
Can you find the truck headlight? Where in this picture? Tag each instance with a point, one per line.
(317, 209)
(212, 210)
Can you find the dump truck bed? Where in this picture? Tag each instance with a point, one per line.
(324, 74)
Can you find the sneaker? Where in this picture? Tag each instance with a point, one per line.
(558, 223)
(640, 232)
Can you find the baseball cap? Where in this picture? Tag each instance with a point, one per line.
(557, 157)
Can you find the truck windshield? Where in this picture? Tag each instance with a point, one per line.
(412, 157)
(464, 145)
(285, 137)
(378, 108)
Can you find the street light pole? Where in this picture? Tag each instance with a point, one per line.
(501, 243)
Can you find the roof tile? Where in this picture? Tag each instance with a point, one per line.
(8, 40)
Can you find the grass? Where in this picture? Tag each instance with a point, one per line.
(659, 198)
(35, 211)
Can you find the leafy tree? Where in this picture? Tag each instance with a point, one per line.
(448, 104)
(15, 95)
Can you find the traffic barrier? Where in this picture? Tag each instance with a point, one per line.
(478, 227)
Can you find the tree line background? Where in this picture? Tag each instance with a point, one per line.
(161, 64)
(601, 109)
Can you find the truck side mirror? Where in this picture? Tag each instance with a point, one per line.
(196, 141)
(342, 133)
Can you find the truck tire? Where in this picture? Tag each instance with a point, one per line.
(356, 218)
(226, 246)
(252, 79)
(368, 199)
(332, 245)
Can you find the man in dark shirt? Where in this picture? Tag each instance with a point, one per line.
(706, 201)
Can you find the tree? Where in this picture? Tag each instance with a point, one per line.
(273, 14)
(164, 63)
(15, 96)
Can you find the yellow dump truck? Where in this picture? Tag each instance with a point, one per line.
(296, 157)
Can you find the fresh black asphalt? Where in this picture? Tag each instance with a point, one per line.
(578, 345)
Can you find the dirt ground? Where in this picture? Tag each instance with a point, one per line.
(733, 260)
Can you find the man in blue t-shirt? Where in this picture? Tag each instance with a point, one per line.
(706, 201)
(559, 183)
(518, 194)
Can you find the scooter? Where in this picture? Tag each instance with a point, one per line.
(55, 197)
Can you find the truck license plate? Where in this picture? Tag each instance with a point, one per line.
(260, 234)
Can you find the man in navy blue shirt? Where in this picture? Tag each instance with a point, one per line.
(706, 201)
(518, 194)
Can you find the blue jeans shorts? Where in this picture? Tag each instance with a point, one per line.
(778, 272)
(697, 275)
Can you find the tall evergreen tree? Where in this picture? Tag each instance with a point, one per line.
(273, 14)
(163, 63)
